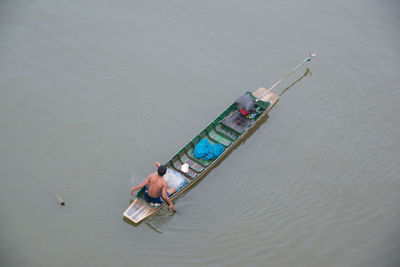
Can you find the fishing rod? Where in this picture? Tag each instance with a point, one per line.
(287, 75)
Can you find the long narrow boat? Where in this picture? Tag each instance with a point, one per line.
(228, 129)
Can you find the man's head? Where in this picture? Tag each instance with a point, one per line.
(162, 170)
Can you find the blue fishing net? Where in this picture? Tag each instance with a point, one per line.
(205, 150)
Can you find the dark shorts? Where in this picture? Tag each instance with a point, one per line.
(151, 199)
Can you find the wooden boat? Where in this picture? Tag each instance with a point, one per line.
(228, 129)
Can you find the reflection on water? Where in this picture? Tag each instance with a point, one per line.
(160, 218)
(149, 223)
(306, 73)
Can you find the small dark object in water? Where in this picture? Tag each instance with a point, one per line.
(59, 199)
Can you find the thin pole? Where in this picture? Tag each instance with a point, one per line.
(287, 75)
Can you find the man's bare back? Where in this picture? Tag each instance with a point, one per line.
(157, 186)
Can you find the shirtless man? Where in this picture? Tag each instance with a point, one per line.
(157, 187)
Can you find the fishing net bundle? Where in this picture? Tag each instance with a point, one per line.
(174, 179)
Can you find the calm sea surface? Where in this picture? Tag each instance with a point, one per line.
(93, 92)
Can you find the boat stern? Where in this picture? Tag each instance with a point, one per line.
(138, 211)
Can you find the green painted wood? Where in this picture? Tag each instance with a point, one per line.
(192, 164)
(226, 132)
(178, 164)
(214, 135)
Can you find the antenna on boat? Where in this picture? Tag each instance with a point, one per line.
(287, 75)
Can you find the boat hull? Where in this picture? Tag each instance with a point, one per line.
(230, 137)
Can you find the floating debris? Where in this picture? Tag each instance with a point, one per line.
(59, 199)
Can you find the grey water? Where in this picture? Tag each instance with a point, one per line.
(92, 93)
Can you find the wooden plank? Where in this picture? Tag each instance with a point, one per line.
(224, 131)
(267, 97)
(237, 122)
(138, 210)
(194, 165)
(178, 166)
(218, 137)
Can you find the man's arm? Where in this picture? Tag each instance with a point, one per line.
(139, 186)
(166, 198)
